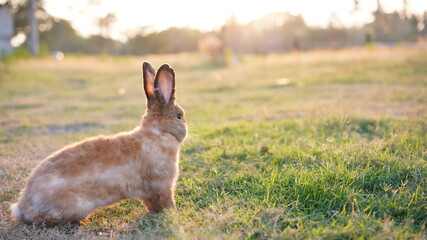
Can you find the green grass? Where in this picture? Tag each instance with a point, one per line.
(337, 152)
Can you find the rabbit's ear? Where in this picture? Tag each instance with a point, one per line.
(148, 74)
(164, 85)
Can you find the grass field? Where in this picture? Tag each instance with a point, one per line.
(320, 144)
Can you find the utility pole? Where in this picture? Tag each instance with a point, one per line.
(33, 41)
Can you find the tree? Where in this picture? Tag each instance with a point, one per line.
(105, 23)
(172, 40)
(405, 11)
(356, 9)
(63, 37)
(424, 24)
(21, 17)
(232, 36)
(96, 44)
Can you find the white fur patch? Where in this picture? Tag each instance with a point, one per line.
(84, 205)
(154, 128)
(37, 198)
(16, 212)
(155, 131)
(56, 182)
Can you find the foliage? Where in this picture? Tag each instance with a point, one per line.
(275, 32)
(21, 20)
(63, 37)
(172, 40)
(18, 54)
(105, 24)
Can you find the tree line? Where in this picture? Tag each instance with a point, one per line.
(275, 32)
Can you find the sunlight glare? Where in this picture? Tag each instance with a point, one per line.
(210, 15)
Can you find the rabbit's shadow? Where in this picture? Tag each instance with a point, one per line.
(124, 219)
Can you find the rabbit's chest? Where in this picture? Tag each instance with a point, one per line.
(161, 159)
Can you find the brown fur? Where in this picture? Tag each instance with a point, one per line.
(143, 163)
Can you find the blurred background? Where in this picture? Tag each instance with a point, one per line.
(219, 29)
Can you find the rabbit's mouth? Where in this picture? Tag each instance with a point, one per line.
(180, 132)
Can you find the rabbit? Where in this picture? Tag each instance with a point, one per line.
(143, 163)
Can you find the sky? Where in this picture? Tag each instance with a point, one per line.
(210, 15)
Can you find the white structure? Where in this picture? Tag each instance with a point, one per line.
(6, 28)
(33, 41)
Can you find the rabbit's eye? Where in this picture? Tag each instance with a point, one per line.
(179, 116)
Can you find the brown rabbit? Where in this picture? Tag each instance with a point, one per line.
(69, 184)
